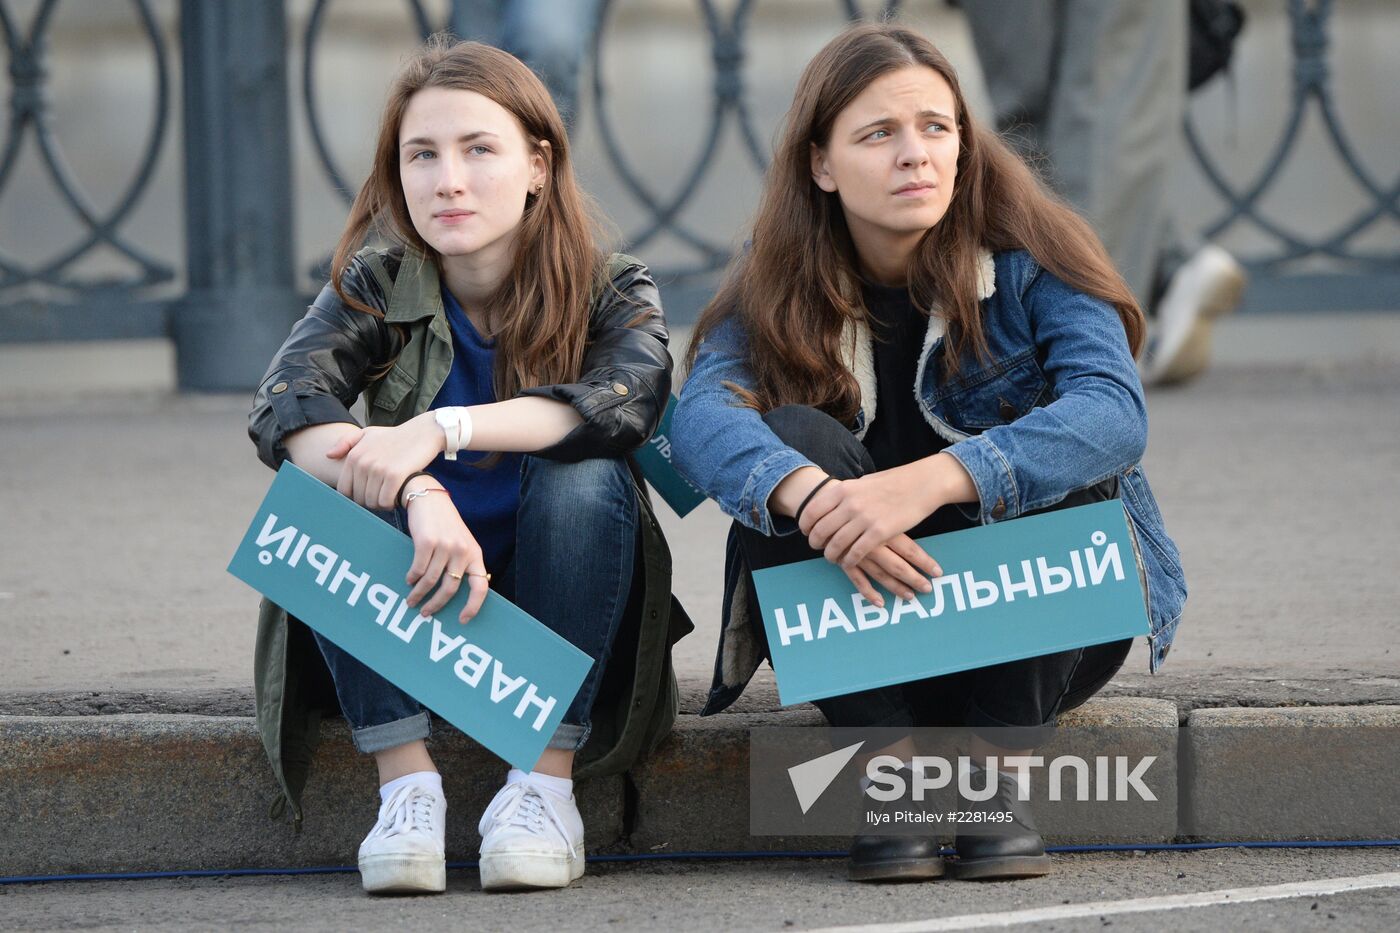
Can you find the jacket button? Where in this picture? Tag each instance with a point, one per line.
(619, 388)
(279, 388)
(1006, 411)
(999, 509)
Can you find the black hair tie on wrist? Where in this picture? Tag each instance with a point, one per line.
(815, 489)
(398, 500)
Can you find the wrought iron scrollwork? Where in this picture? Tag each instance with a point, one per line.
(1312, 92)
(726, 38)
(1310, 20)
(309, 39)
(29, 112)
(728, 57)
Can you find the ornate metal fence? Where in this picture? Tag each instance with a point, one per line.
(50, 300)
(62, 308)
(1373, 277)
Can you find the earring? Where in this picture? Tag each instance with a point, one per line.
(539, 188)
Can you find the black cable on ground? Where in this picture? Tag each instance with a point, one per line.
(701, 856)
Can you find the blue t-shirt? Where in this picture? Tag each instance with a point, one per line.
(487, 499)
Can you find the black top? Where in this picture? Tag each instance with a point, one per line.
(899, 434)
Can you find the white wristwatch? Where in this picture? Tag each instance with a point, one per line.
(456, 424)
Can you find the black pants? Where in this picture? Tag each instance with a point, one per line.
(1025, 695)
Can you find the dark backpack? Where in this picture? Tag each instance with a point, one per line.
(1215, 24)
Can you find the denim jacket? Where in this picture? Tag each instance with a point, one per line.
(1056, 409)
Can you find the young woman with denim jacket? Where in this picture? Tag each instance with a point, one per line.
(919, 339)
(497, 328)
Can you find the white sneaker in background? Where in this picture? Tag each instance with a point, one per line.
(1208, 285)
(530, 838)
(404, 853)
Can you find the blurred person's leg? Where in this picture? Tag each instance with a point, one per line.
(477, 20)
(1114, 136)
(1108, 122)
(1113, 127)
(553, 37)
(1019, 72)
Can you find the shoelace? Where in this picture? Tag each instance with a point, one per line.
(408, 809)
(525, 805)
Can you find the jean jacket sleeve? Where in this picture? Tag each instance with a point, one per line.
(1096, 426)
(727, 450)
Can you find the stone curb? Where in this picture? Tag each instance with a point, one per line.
(153, 792)
(1321, 772)
(163, 791)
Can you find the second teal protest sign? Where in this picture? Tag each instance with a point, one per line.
(655, 460)
(503, 678)
(1012, 590)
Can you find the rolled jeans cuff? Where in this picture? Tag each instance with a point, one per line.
(372, 739)
(569, 737)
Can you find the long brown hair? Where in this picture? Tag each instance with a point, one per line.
(797, 286)
(539, 312)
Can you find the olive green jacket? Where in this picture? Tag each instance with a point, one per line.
(325, 364)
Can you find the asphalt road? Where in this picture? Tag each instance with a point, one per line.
(1124, 889)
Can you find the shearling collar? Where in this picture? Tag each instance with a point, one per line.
(860, 355)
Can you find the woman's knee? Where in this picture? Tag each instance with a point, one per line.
(570, 490)
(820, 438)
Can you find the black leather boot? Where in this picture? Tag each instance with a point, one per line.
(1012, 850)
(896, 857)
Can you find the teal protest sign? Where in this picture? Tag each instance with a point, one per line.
(655, 461)
(503, 678)
(1012, 590)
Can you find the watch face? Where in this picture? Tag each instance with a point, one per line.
(451, 426)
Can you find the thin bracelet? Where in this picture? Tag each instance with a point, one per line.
(421, 493)
(815, 489)
(398, 499)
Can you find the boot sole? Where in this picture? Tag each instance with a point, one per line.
(524, 872)
(399, 874)
(1010, 866)
(898, 870)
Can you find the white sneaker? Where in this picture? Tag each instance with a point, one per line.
(530, 838)
(1208, 285)
(404, 852)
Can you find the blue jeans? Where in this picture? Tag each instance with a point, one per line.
(575, 544)
(553, 37)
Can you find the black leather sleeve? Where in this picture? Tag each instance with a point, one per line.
(626, 379)
(321, 368)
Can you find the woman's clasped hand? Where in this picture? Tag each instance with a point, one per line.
(377, 460)
(860, 525)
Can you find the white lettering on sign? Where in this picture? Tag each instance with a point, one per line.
(338, 578)
(1033, 578)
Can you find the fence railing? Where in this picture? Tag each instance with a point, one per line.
(237, 141)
